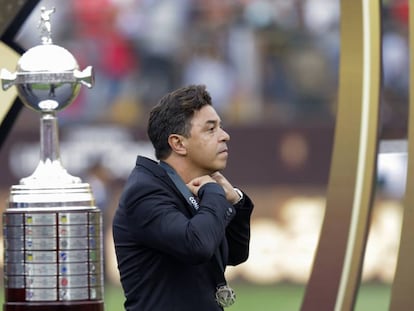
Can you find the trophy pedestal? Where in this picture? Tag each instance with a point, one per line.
(53, 249)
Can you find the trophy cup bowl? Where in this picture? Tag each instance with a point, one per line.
(47, 78)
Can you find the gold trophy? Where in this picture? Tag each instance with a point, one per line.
(52, 228)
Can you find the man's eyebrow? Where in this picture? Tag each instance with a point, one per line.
(213, 122)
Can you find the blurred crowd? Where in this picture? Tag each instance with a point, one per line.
(263, 61)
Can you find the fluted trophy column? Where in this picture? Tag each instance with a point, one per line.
(52, 228)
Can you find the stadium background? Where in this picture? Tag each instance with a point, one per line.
(271, 67)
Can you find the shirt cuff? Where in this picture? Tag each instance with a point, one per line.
(240, 193)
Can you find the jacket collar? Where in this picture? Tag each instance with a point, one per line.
(159, 172)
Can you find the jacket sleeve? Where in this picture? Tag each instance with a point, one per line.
(238, 232)
(156, 220)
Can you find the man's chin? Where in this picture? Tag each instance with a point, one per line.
(221, 167)
(216, 168)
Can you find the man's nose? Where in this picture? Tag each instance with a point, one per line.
(225, 135)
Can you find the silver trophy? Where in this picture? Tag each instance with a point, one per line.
(52, 228)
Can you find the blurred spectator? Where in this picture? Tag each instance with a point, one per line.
(156, 30)
(208, 67)
(99, 178)
(96, 41)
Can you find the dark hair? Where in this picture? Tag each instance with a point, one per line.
(173, 114)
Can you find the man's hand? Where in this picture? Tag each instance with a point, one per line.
(231, 195)
(195, 184)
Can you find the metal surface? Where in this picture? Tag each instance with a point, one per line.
(53, 253)
(47, 78)
(338, 263)
(52, 228)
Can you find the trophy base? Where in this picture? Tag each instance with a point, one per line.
(53, 306)
(53, 249)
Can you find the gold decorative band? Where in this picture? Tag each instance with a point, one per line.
(337, 268)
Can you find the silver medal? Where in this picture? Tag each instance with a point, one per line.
(225, 296)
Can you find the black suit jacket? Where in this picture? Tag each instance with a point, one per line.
(165, 249)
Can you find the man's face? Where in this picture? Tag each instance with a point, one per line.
(206, 147)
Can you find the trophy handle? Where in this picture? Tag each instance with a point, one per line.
(7, 78)
(85, 77)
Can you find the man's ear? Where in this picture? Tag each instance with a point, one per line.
(177, 144)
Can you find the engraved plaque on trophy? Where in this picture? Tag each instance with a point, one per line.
(52, 228)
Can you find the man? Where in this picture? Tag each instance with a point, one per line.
(179, 220)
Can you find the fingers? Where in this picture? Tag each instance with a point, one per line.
(231, 195)
(221, 180)
(195, 184)
(199, 181)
